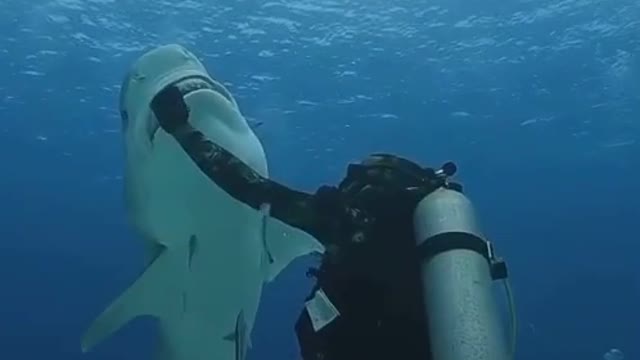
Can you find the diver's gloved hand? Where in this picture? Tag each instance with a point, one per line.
(170, 109)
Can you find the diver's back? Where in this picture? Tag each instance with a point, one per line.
(376, 288)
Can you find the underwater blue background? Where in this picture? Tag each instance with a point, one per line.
(538, 102)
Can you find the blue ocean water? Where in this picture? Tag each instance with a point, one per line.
(536, 101)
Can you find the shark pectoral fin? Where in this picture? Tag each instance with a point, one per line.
(146, 296)
(285, 243)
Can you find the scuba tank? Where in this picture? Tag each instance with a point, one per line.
(388, 298)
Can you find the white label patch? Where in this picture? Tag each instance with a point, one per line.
(321, 311)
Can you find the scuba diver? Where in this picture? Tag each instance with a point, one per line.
(406, 272)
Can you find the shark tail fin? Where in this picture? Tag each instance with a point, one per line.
(284, 243)
(150, 294)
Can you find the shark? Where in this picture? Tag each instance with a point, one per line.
(208, 255)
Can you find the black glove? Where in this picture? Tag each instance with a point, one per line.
(170, 109)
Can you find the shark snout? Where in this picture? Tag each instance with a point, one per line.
(155, 70)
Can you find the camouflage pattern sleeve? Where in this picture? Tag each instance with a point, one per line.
(298, 209)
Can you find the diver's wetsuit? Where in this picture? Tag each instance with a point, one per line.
(369, 271)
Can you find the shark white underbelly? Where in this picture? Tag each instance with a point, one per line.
(209, 254)
(223, 261)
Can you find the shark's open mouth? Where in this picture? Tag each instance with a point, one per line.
(193, 83)
(188, 85)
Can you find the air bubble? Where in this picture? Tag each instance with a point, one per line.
(613, 354)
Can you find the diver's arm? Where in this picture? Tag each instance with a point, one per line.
(298, 209)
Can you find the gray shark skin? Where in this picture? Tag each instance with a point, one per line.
(208, 255)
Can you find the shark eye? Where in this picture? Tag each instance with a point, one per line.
(124, 116)
(130, 76)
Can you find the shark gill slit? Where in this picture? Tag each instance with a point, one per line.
(193, 246)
